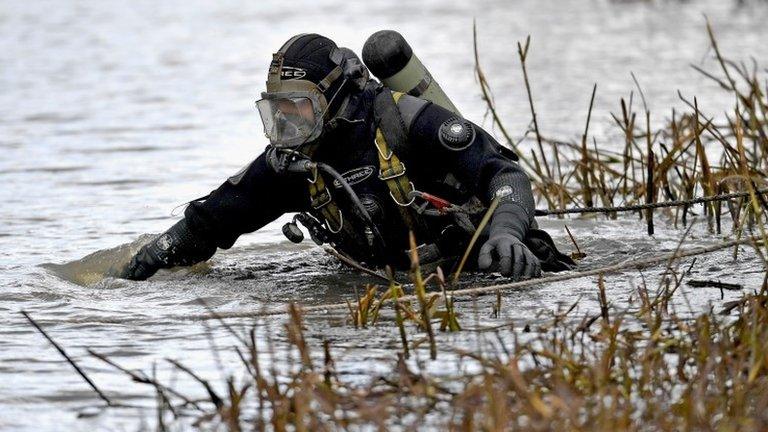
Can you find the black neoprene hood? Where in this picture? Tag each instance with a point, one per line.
(309, 58)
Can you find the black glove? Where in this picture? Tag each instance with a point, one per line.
(176, 247)
(505, 244)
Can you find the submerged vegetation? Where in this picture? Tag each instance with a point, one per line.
(634, 365)
(637, 366)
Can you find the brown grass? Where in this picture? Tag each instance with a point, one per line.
(638, 367)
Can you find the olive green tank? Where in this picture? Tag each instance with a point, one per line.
(389, 57)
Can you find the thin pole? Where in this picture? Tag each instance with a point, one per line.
(679, 203)
(67, 358)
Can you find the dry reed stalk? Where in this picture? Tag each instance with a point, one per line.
(69, 359)
(522, 52)
(421, 296)
(488, 98)
(585, 165)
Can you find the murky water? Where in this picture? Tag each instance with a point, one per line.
(112, 114)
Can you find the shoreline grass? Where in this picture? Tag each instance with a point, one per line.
(632, 366)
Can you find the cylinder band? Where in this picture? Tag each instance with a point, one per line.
(422, 86)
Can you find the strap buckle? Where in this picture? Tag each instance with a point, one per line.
(380, 148)
(394, 171)
(407, 204)
(322, 199)
(341, 224)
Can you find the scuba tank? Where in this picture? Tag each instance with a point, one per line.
(389, 57)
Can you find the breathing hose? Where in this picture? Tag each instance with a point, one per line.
(306, 165)
(362, 212)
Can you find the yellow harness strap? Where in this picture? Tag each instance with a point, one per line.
(321, 199)
(323, 202)
(392, 171)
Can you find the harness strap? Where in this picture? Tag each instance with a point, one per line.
(391, 133)
(389, 120)
(321, 199)
(391, 130)
(323, 204)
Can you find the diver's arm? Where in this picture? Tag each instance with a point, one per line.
(488, 170)
(244, 203)
(179, 246)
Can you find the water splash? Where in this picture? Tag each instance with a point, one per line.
(95, 267)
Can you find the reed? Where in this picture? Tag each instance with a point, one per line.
(699, 156)
(642, 368)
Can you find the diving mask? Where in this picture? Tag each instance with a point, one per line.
(293, 118)
(299, 95)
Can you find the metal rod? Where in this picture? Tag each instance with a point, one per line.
(679, 203)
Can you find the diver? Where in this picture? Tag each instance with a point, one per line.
(362, 163)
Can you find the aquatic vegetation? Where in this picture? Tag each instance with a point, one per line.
(634, 366)
(637, 366)
(673, 162)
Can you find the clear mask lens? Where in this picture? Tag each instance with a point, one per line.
(288, 121)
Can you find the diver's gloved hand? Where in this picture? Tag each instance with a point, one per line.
(505, 244)
(176, 247)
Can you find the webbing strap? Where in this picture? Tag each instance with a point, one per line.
(324, 206)
(329, 79)
(391, 169)
(323, 202)
(388, 118)
(321, 199)
(273, 77)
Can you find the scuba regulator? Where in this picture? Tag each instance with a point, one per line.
(286, 161)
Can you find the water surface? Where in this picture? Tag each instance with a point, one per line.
(112, 114)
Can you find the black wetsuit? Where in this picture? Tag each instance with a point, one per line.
(473, 170)
(259, 195)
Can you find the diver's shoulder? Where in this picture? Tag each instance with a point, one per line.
(409, 107)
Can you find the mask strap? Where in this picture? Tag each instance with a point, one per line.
(329, 79)
(276, 66)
